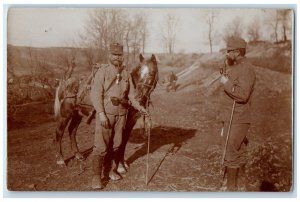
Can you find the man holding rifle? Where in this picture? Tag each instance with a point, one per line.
(238, 84)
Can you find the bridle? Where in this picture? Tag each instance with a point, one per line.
(150, 86)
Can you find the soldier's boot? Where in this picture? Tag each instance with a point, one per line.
(242, 180)
(97, 170)
(121, 165)
(232, 175)
(113, 174)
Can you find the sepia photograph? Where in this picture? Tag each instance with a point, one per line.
(150, 99)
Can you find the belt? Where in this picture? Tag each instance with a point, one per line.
(117, 101)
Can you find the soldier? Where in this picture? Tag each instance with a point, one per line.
(172, 82)
(238, 84)
(111, 94)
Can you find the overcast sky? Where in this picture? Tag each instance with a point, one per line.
(46, 27)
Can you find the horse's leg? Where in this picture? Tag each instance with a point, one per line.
(132, 118)
(76, 119)
(59, 134)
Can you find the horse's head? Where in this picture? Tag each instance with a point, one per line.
(145, 77)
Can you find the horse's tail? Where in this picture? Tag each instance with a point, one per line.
(57, 102)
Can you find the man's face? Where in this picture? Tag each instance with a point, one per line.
(116, 60)
(231, 56)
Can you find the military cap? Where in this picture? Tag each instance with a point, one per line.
(234, 43)
(116, 49)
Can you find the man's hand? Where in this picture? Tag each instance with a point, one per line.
(144, 112)
(104, 120)
(224, 79)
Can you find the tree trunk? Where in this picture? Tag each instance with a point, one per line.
(284, 33)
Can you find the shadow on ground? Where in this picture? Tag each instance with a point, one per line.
(160, 136)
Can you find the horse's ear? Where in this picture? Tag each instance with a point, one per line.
(141, 57)
(153, 58)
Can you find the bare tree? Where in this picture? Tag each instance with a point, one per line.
(233, 29)
(45, 71)
(273, 21)
(143, 29)
(90, 52)
(90, 55)
(117, 25)
(285, 19)
(104, 26)
(137, 34)
(254, 30)
(168, 32)
(127, 39)
(66, 62)
(96, 32)
(210, 21)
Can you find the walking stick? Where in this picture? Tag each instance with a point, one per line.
(148, 149)
(147, 128)
(226, 142)
(223, 71)
(228, 132)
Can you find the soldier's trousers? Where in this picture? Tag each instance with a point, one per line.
(108, 137)
(236, 153)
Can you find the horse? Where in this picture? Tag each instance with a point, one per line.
(72, 103)
(145, 78)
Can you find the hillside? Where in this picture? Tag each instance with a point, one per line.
(275, 60)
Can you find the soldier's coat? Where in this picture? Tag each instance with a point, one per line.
(105, 77)
(239, 87)
(104, 87)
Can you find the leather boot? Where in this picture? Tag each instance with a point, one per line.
(232, 174)
(242, 179)
(113, 174)
(121, 166)
(97, 170)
